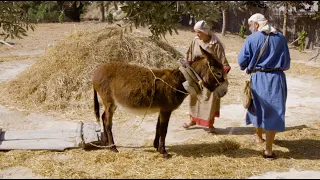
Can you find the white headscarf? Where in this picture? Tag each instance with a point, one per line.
(263, 23)
(203, 27)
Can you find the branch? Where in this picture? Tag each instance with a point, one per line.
(293, 42)
(1, 41)
(315, 57)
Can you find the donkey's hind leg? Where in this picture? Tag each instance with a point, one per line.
(107, 120)
(104, 137)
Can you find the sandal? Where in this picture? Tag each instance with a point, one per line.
(269, 158)
(186, 125)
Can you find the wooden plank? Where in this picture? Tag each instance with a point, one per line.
(39, 144)
(37, 134)
(53, 139)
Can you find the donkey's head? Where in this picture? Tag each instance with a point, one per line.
(211, 72)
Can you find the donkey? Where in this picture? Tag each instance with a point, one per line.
(138, 89)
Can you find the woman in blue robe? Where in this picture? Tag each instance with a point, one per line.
(268, 81)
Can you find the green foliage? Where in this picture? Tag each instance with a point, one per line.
(316, 16)
(302, 40)
(163, 16)
(13, 22)
(242, 31)
(258, 4)
(110, 18)
(61, 17)
(47, 11)
(298, 5)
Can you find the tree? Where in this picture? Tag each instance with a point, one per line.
(291, 5)
(163, 16)
(104, 6)
(224, 7)
(13, 22)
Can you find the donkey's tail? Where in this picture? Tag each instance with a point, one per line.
(96, 105)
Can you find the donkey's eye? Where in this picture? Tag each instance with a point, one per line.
(217, 72)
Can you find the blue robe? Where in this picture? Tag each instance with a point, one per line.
(269, 89)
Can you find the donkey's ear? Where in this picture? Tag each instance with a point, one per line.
(205, 53)
(210, 58)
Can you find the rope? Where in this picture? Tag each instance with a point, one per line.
(98, 146)
(165, 83)
(213, 74)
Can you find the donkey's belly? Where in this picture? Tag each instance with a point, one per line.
(137, 111)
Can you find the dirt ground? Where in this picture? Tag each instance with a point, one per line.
(303, 103)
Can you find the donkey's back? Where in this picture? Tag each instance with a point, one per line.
(134, 89)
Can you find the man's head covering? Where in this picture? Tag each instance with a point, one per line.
(202, 26)
(257, 18)
(263, 23)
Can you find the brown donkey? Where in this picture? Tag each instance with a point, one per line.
(135, 89)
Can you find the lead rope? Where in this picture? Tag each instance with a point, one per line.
(155, 78)
(213, 74)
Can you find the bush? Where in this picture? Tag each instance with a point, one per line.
(61, 17)
(242, 31)
(302, 40)
(45, 12)
(110, 18)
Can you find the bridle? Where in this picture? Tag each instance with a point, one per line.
(214, 75)
(200, 81)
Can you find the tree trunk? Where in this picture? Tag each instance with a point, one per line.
(102, 12)
(285, 17)
(224, 19)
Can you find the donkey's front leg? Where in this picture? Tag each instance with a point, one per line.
(156, 139)
(163, 126)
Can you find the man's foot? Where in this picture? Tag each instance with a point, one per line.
(187, 125)
(268, 157)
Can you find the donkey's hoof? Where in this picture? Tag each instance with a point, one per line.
(114, 149)
(166, 156)
(156, 145)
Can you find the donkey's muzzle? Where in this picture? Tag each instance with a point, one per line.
(222, 89)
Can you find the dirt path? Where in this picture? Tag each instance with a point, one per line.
(303, 104)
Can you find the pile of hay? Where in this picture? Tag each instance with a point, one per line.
(61, 79)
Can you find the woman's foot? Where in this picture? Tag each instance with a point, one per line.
(187, 125)
(212, 130)
(259, 139)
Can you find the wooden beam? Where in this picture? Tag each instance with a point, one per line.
(39, 144)
(52, 139)
(37, 134)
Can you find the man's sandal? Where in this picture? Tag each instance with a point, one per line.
(269, 158)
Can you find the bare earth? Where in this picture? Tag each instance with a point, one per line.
(303, 103)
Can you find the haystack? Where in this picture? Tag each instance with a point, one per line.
(61, 79)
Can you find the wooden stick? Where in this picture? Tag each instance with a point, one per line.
(6, 43)
(293, 42)
(315, 57)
